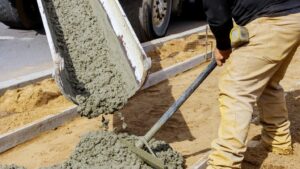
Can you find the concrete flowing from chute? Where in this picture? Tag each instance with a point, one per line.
(101, 80)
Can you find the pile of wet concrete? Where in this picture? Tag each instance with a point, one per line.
(102, 149)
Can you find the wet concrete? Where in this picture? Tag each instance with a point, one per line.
(96, 76)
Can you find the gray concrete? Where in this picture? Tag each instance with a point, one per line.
(22, 52)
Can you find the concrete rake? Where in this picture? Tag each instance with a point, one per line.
(150, 158)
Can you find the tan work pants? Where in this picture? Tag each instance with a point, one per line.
(252, 75)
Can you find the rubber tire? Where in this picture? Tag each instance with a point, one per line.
(131, 9)
(16, 14)
(145, 17)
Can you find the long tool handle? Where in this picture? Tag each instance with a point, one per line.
(176, 105)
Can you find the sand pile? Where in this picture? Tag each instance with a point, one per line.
(29, 97)
(100, 79)
(24, 105)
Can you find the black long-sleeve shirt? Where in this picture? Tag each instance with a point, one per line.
(220, 13)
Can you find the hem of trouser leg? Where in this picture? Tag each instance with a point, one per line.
(276, 150)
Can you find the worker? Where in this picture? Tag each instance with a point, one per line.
(252, 74)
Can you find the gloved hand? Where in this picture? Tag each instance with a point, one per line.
(221, 56)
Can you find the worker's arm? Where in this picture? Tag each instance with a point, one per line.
(219, 18)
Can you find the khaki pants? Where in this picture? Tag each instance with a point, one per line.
(252, 75)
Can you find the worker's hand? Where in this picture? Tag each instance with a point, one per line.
(221, 56)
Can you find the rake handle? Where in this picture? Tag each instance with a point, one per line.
(176, 105)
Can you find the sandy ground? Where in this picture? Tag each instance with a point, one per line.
(179, 50)
(27, 104)
(189, 131)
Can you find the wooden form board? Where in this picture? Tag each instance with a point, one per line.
(173, 70)
(31, 130)
(201, 163)
(25, 80)
(150, 45)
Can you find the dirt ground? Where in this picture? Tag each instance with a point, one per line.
(27, 104)
(189, 131)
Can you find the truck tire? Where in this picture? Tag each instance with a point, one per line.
(23, 14)
(154, 16)
(131, 9)
(140, 14)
